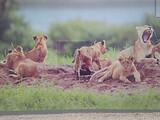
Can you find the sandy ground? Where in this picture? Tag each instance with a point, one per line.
(86, 116)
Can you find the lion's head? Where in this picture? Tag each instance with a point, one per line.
(126, 62)
(102, 45)
(15, 54)
(40, 40)
(144, 33)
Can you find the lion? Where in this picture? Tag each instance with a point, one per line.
(86, 55)
(94, 67)
(119, 69)
(18, 65)
(39, 52)
(142, 47)
(156, 52)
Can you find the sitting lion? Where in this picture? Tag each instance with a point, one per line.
(119, 69)
(142, 47)
(18, 65)
(86, 55)
(39, 52)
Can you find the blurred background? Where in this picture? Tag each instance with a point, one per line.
(71, 24)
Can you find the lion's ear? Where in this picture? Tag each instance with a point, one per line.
(151, 28)
(45, 36)
(19, 49)
(137, 28)
(103, 42)
(10, 50)
(95, 42)
(34, 37)
(120, 58)
(131, 58)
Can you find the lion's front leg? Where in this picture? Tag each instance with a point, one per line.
(89, 65)
(153, 52)
(106, 76)
(98, 63)
(124, 79)
(137, 76)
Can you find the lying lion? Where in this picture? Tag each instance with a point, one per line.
(18, 65)
(142, 47)
(119, 69)
(156, 52)
(86, 55)
(39, 52)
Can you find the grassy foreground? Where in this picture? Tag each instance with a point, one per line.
(49, 98)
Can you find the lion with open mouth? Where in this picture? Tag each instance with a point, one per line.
(142, 47)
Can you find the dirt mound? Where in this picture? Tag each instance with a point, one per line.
(63, 77)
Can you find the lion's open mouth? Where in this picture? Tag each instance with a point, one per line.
(146, 35)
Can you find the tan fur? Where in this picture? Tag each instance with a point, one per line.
(156, 51)
(104, 62)
(86, 55)
(39, 52)
(19, 65)
(142, 46)
(120, 69)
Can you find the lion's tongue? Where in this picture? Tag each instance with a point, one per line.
(145, 38)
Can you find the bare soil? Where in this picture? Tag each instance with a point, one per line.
(63, 77)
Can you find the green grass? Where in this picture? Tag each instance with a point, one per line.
(41, 97)
(111, 53)
(49, 98)
(54, 58)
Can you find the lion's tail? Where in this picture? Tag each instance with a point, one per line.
(99, 73)
(76, 54)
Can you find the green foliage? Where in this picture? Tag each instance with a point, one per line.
(76, 30)
(79, 30)
(48, 98)
(14, 30)
(115, 35)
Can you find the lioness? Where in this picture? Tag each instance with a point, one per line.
(156, 52)
(17, 63)
(39, 52)
(86, 55)
(142, 47)
(120, 69)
